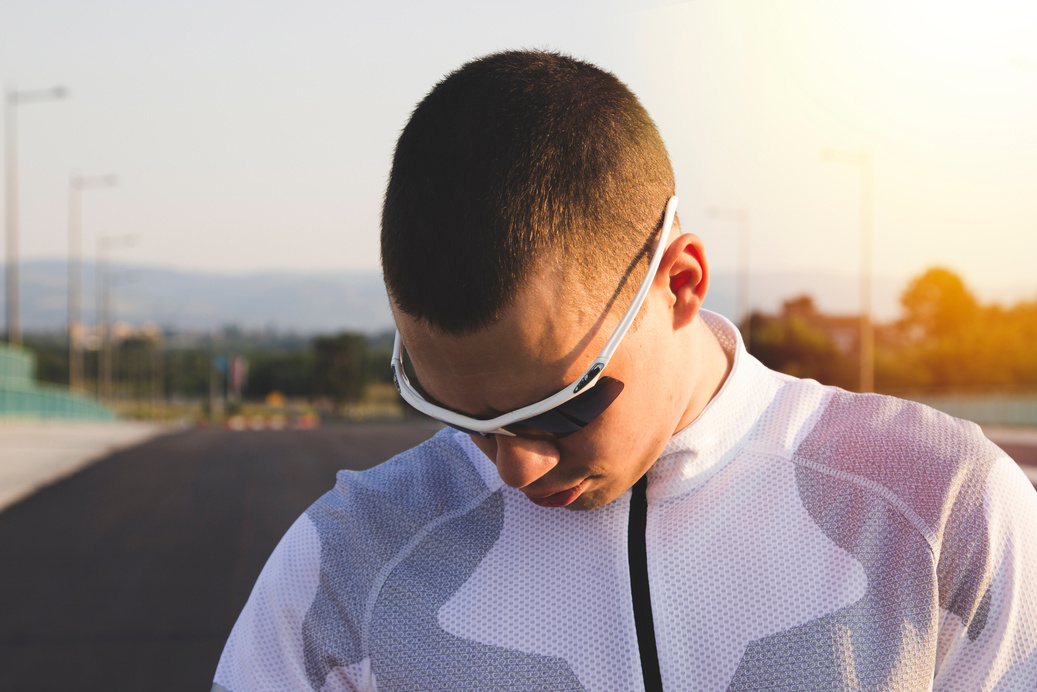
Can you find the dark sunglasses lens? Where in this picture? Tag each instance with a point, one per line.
(571, 416)
(466, 431)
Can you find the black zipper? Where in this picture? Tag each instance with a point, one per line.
(640, 594)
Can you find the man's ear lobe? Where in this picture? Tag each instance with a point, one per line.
(688, 274)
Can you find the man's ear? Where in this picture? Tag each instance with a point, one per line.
(686, 274)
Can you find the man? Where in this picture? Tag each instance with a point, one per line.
(741, 529)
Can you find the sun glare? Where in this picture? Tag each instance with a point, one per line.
(962, 33)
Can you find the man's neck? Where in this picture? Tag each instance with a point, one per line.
(711, 366)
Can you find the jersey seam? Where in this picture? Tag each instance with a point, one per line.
(401, 555)
(888, 495)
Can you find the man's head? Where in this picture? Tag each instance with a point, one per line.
(527, 193)
(513, 160)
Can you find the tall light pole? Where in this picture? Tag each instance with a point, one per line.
(76, 185)
(104, 244)
(12, 99)
(862, 160)
(739, 216)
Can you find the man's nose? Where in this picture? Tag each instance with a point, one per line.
(521, 461)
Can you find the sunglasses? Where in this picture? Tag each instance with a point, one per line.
(560, 414)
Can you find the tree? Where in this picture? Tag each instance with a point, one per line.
(338, 372)
(937, 305)
(288, 372)
(793, 344)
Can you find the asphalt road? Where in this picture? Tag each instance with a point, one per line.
(130, 574)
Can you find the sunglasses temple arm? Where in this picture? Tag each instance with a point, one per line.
(642, 292)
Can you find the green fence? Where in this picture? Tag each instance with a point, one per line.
(22, 397)
(17, 366)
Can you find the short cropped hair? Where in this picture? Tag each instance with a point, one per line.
(509, 159)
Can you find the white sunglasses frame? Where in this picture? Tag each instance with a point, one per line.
(495, 426)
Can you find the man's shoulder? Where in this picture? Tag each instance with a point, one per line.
(442, 458)
(435, 477)
(858, 431)
(918, 458)
(313, 605)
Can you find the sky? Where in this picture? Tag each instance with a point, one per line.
(257, 135)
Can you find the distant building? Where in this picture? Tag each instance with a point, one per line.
(844, 331)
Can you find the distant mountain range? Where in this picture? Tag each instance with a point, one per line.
(309, 302)
(328, 301)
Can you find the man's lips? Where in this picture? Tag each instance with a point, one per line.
(559, 499)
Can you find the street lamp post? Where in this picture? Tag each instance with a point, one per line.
(76, 185)
(862, 160)
(741, 217)
(104, 244)
(12, 99)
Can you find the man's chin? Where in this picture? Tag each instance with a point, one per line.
(592, 499)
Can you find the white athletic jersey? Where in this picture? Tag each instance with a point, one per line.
(794, 537)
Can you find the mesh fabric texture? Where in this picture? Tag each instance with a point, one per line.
(799, 537)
